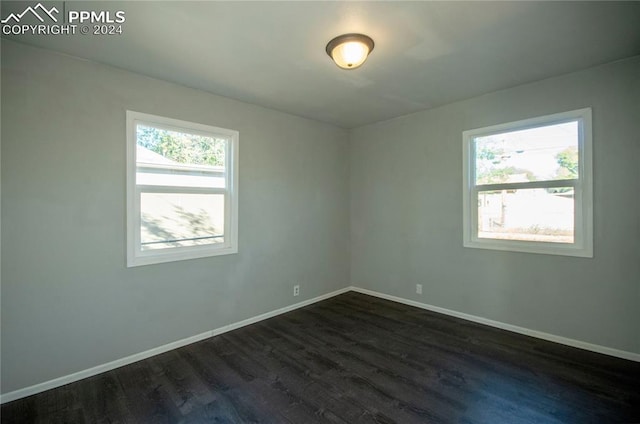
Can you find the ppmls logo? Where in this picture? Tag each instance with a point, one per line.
(49, 21)
(33, 11)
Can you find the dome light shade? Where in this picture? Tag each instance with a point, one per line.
(349, 51)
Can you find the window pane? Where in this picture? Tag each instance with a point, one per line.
(180, 220)
(173, 147)
(535, 154)
(529, 214)
(173, 158)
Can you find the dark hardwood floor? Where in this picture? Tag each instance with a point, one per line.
(353, 359)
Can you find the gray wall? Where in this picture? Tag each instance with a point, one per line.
(406, 213)
(68, 301)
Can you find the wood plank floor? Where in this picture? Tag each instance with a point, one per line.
(353, 359)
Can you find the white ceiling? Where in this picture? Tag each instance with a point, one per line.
(426, 53)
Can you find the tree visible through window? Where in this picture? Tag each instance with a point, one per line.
(530, 181)
(182, 184)
(182, 147)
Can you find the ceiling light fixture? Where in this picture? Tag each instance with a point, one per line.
(349, 51)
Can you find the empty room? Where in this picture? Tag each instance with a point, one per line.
(320, 212)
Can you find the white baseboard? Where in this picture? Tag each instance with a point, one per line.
(514, 328)
(61, 381)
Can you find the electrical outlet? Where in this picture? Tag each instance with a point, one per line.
(296, 290)
(419, 288)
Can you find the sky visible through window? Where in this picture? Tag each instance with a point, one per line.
(534, 154)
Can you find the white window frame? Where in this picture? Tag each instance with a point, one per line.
(135, 255)
(583, 188)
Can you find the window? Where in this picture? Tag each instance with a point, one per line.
(182, 190)
(527, 185)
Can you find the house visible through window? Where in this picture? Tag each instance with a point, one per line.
(527, 185)
(182, 190)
